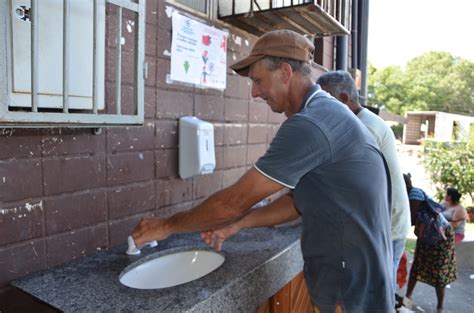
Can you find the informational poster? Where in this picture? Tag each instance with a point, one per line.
(198, 53)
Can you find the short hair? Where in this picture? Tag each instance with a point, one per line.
(273, 63)
(407, 178)
(338, 82)
(454, 194)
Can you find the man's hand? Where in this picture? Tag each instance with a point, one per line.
(219, 210)
(149, 229)
(279, 211)
(215, 238)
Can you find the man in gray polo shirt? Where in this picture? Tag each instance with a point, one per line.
(337, 176)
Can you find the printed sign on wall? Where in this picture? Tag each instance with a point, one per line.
(198, 53)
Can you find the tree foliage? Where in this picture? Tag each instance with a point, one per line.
(450, 164)
(434, 81)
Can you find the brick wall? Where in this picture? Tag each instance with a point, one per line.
(67, 193)
(411, 131)
(431, 125)
(324, 52)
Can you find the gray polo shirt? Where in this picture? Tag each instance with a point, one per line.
(339, 182)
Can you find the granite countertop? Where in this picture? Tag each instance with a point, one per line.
(258, 263)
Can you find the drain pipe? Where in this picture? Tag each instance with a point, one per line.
(341, 53)
(354, 45)
(364, 32)
(341, 45)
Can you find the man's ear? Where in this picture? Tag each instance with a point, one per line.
(286, 72)
(344, 98)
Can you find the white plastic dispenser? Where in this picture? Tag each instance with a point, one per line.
(196, 147)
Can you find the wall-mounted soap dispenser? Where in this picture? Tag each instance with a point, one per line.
(196, 147)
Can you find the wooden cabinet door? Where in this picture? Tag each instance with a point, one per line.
(292, 298)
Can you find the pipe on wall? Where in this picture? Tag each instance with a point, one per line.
(354, 44)
(342, 43)
(341, 53)
(363, 34)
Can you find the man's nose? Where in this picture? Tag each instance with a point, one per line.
(255, 91)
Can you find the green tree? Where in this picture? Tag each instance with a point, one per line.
(450, 164)
(434, 81)
(387, 88)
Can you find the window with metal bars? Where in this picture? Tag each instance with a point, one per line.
(198, 5)
(52, 58)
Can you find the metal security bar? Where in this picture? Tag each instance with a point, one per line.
(64, 115)
(199, 5)
(34, 56)
(66, 47)
(339, 9)
(118, 62)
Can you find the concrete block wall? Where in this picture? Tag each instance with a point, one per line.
(431, 125)
(324, 52)
(67, 193)
(411, 131)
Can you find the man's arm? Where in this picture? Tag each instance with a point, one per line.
(280, 211)
(220, 209)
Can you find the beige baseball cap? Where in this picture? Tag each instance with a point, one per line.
(282, 43)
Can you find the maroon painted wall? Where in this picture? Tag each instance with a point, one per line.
(66, 193)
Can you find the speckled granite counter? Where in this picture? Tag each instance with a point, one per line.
(258, 263)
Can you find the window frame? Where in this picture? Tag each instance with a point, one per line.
(65, 118)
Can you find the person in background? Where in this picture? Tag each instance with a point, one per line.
(455, 213)
(342, 87)
(434, 265)
(337, 178)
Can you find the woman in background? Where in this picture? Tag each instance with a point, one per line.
(455, 213)
(435, 264)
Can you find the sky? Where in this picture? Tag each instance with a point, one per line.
(400, 30)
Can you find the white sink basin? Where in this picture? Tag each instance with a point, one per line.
(171, 269)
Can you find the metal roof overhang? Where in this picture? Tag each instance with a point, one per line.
(308, 19)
